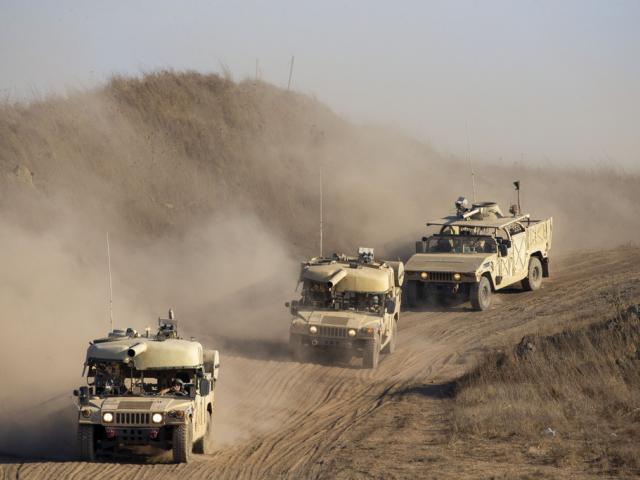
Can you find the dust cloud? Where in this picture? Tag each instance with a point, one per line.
(54, 300)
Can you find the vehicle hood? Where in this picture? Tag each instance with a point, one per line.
(144, 404)
(348, 319)
(446, 262)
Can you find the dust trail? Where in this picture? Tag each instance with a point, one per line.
(54, 298)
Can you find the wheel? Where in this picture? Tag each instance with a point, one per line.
(86, 443)
(411, 294)
(371, 353)
(203, 445)
(480, 294)
(299, 352)
(182, 444)
(534, 278)
(390, 347)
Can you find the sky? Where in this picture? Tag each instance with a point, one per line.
(551, 82)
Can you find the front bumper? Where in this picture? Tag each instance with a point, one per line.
(137, 436)
(441, 277)
(318, 341)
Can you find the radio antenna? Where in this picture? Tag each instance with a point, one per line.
(473, 175)
(321, 208)
(110, 284)
(516, 184)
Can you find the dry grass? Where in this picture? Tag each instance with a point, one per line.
(572, 398)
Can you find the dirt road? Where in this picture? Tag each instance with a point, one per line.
(338, 421)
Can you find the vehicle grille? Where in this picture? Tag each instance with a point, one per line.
(441, 276)
(133, 418)
(326, 331)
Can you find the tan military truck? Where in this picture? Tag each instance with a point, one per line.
(347, 304)
(477, 252)
(147, 390)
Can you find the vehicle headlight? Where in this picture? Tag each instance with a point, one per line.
(107, 417)
(424, 275)
(177, 413)
(351, 332)
(86, 413)
(156, 418)
(313, 329)
(457, 277)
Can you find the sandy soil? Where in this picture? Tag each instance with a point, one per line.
(328, 420)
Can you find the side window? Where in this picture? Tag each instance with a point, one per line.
(516, 228)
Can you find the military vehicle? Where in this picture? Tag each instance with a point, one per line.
(351, 304)
(147, 390)
(476, 252)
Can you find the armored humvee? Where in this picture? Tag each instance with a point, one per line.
(350, 304)
(147, 390)
(477, 252)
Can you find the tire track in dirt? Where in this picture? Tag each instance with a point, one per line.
(295, 416)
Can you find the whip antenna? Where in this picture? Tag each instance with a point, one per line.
(321, 206)
(473, 175)
(110, 284)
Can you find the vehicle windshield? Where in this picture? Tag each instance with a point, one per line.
(117, 379)
(461, 244)
(319, 296)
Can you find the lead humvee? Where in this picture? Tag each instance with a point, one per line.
(479, 251)
(348, 304)
(129, 400)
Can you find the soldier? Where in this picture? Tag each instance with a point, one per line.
(176, 388)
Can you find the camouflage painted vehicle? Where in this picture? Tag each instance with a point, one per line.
(347, 304)
(477, 252)
(147, 390)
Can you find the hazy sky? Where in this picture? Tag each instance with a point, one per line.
(536, 80)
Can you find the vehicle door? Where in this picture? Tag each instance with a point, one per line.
(519, 248)
(198, 414)
(505, 257)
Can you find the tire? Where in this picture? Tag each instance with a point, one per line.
(182, 445)
(299, 352)
(203, 445)
(534, 277)
(390, 347)
(411, 294)
(480, 294)
(87, 443)
(371, 354)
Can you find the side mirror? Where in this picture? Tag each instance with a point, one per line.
(293, 307)
(216, 365)
(83, 395)
(192, 391)
(504, 249)
(390, 306)
(205, 386)
(287, 304)
(76, 393)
